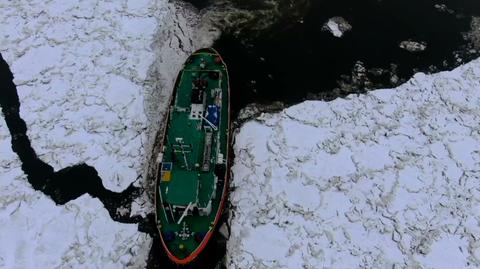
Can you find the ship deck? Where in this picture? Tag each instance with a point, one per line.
(182, 181)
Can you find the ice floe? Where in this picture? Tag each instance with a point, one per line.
(36, 233)
(413, 46)
(337, 26)
(387, 179)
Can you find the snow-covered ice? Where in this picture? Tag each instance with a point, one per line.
(337, 26)
(93, 78)
(36, 233)
(444, 8)
(413, 46)
(388, 179)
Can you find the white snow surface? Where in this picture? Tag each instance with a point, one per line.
(93, 78)
(36, 233)
(80, 234)
(337, 26)
(388, 179)
(333, 26)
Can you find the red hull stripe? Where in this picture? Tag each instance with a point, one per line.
(207, 238)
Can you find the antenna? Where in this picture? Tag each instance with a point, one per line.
(209, 123)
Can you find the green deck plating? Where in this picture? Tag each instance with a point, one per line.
(192, 171)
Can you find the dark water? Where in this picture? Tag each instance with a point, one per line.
(294, 59)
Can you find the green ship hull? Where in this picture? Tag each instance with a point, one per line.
(193, 167)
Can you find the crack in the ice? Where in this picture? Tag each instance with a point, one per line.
(66, 184)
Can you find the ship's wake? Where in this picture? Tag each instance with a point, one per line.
(249, 19)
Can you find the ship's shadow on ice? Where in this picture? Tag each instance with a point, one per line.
(66, 184)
